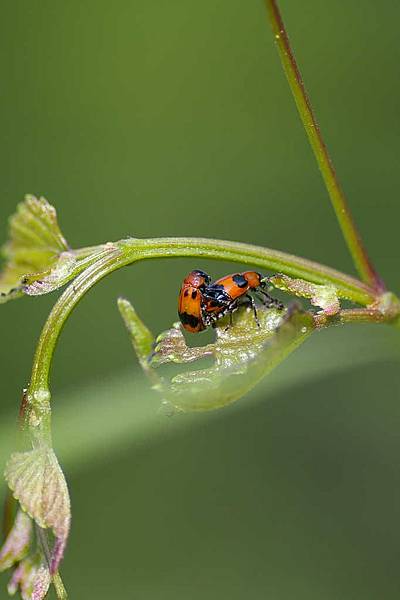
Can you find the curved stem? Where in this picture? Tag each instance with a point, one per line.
(61, 311)
(131, 250)
(248, 254)
(351, 235)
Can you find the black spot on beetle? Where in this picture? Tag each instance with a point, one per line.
(217, 293)
(240, 280)
(194, 294)
(186, 293)
(190, 320)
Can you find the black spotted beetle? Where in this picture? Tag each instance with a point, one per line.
(202, 303)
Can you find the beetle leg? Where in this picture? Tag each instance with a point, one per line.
(230, 320)
(269, 301)
(253, 306)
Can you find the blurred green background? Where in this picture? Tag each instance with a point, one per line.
(153, 118)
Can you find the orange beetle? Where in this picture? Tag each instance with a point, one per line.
(190, 301)
(223, 296)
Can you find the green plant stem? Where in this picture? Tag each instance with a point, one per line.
(353, 315)
(59, 587)
(351, 235)
(264, 258)
(131, 250)
(59, 314)
(87, 251)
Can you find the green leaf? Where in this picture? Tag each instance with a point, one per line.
(32, 577)
(37, 481)
(242, 355)
(34, 246)
(324, 296)
(38, 258)
(18, 541)
(41, 583)
(141, 337)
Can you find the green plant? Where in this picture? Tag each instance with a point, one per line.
(39, 261)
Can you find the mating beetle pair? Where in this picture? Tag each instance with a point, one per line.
(201, 303)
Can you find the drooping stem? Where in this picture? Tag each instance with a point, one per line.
(351, 235)
(131, 250)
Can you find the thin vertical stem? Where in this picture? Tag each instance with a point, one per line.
(351, 235)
